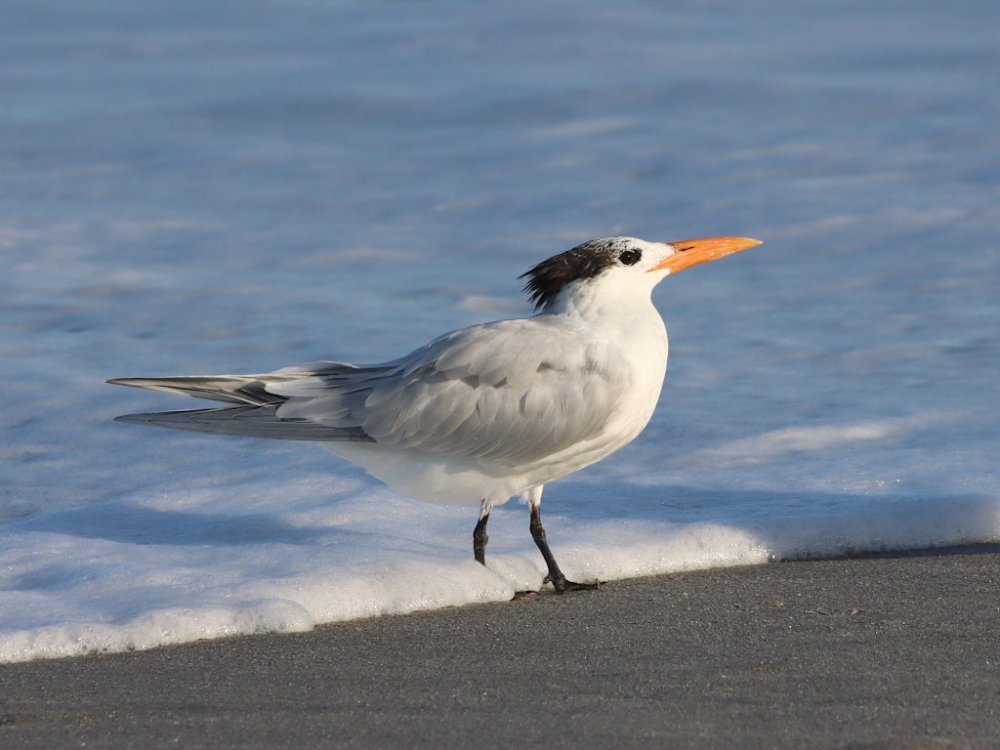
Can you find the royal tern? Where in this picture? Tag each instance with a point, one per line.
(481, 414)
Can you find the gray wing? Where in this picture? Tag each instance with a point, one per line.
(504, 392)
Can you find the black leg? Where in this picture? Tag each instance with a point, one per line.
(479, 540)
(555, 575)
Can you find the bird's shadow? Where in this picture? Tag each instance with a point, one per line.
(134, 524)
(752, 511)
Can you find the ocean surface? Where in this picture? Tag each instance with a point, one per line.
(192, 188)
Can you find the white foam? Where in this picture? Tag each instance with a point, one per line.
(186, 566)
(791, 441)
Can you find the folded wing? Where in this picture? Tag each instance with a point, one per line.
(501, 393)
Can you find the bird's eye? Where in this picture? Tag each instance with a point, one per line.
(630, 257)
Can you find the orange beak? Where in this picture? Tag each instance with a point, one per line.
(693, 252)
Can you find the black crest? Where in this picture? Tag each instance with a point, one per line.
(551, 276)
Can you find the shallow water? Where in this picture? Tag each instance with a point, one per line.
(191, 189)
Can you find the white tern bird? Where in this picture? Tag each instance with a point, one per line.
(486, 413)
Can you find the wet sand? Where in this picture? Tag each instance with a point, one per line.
(888, 651)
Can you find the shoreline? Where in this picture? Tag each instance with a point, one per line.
(887, 650)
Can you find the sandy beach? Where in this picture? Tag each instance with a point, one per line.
(886, 651)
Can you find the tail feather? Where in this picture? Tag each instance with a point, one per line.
(246, 421)
(235, 389)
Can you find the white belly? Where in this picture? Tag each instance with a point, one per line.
(430, 477)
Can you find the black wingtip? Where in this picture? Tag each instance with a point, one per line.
(133, 418)
(122, 381)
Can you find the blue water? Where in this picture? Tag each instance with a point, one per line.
(233, 187)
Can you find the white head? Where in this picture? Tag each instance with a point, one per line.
(618, 266)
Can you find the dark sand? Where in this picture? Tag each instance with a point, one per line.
(890, 651)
